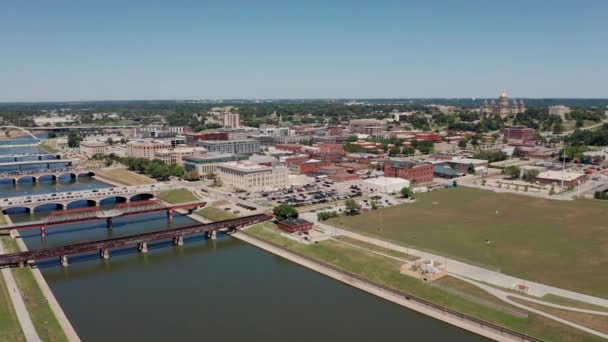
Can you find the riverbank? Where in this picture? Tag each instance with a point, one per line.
(449, 293)
(449, 317)
(47, 316)
(471, 324)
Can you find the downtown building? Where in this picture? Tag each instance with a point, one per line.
(146, 148)
(417, 173)
(253, 177)
(207, 163)
(519, 135)
(243, 146)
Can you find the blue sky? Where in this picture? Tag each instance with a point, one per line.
(101, 50)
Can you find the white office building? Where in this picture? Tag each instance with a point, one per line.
(249, 176)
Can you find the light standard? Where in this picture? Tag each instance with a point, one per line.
(563, 166)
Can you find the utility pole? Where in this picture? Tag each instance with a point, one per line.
(563, 166)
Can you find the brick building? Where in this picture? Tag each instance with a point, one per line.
(330, 148)
(295, 225)
(519, 135)
(312, 166)
(417, 173)
(288, 147)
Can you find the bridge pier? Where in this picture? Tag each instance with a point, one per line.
(63, 260)
(104, 253)
(142, 247)
(13, 233)
(178, 240)
(211, 235)
(169, 214)
(43, 231)
(109, 223)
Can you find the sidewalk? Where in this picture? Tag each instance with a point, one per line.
(22, 314)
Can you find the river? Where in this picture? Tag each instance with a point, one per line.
(223, 290)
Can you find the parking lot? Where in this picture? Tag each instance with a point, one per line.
(312, 194)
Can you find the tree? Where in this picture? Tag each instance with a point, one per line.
(530, 175)
(285, 212)
(463, 143)
(374, 205)
(74, 139)
(352, 207)
(326, 215)
(406, 192)
(512, 171)
(471, 169)
(192, 175)
(408, 151)
(110, 141)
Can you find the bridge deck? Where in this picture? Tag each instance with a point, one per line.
(36, 162)
(14, 259)
(146, 209)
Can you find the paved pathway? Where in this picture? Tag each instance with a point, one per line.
(22, 314)
(475, 272)
(504, 296)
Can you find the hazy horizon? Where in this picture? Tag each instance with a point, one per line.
(114, 51)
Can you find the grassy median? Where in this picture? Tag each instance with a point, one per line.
(385, 271)
(559, 243)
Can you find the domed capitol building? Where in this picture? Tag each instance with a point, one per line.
(504, 107)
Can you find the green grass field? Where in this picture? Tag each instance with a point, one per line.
(177, 196)
(124, 176)
(560, 243)
(215, 214)
(47, 148)
(385, 271)
(596, 322)
(42, 316)
(9, 325)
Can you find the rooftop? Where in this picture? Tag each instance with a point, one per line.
(294, 222)
(211, 156)
(558, 175)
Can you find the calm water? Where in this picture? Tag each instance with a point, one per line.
(223, 290)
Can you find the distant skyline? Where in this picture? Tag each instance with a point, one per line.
(155, 50)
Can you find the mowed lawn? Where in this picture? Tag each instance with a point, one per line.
(177, 196)
(124, 176)
(560, 243)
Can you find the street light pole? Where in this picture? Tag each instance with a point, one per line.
(563, 166)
